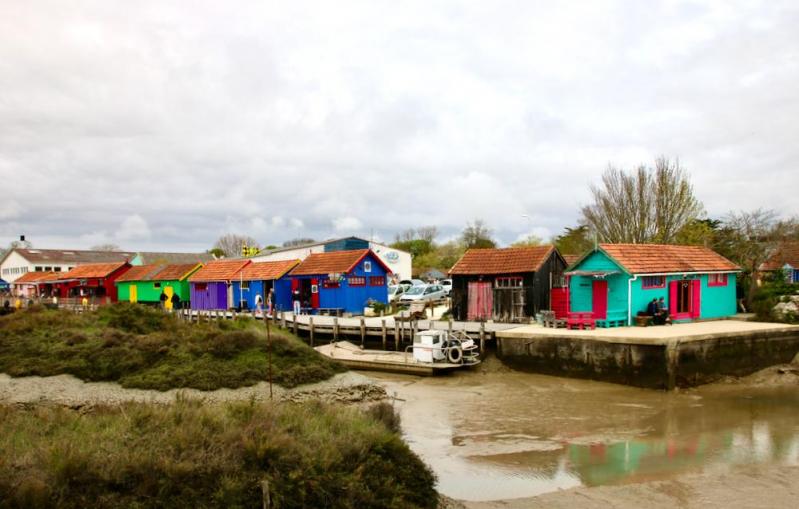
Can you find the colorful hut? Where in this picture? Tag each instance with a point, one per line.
(95, 281)
(617, 281)
(508, 285)
(33, 284)
(259, 279)
(146, 283)
(340, 281)
(211, 286)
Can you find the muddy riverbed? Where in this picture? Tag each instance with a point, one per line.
(497, 434)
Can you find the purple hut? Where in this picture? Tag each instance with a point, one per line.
(211, 285)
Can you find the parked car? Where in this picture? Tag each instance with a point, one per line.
(395, 292)
(447, 284)
(410, 283)
(423, 293)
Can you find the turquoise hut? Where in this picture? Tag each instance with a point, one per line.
(616, 281)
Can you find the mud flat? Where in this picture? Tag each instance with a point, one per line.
(665, 357)
(66, 390)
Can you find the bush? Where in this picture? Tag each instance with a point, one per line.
(196, 455)
(145, 348)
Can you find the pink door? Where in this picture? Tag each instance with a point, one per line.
(600, 299)
(481, 301)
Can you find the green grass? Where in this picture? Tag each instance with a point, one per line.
(194, 455)
(142, 347)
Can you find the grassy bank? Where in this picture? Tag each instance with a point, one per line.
(141, 347)
(194, 455)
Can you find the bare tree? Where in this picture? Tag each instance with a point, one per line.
(425, 233)
(528, 241)
(106, 247)
(231, 244)
(477, 235)
(301, 241)
(644, 205)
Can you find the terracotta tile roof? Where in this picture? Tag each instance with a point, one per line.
(138, 273)
(326, 263)
(219, 270)
(653, 258)
(265, 271)
(67, 256)
(91, 270)
(786, 253)
(174, 272)
(511, 260)
(37, 277)
(570, 259)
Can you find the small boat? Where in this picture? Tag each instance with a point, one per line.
(432, 351)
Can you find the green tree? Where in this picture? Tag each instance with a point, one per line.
(574, 241)
(477, 235)
(529, 241)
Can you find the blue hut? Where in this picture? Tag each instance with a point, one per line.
(259, 279)
(616, 281)
(340, 281)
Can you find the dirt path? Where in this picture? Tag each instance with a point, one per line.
(69, 391)
(749, 487)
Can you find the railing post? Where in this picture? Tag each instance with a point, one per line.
(363, 333)
(310, 329)
(383, 332)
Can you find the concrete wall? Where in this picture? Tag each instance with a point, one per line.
(665, 365)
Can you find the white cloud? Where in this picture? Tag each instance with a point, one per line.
(133, 228)
(347, 224)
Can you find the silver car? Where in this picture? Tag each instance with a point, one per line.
(395, 292)
(424, 293)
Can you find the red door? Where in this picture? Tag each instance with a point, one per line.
(696, 301)
(481, 301)
(560, 302)
(315, 293)
(600, 299)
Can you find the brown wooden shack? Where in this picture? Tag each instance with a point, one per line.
(505, 285)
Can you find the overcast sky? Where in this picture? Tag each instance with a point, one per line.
(156, 126)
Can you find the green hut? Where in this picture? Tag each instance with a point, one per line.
(145, 283)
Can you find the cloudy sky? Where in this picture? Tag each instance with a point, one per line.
(154, 125)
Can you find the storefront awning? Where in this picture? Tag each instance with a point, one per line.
(593, 273)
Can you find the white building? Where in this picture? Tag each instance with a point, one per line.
(19, 261)
(397, 260)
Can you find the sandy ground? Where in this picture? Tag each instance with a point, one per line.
(69, 391)
(750, 487)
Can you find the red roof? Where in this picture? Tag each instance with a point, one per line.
(511, 260)
(570, 259)
(138, 273)
(174, 272)
(334, 261)
(265, 271)
(786, 254)
(37, 277)
(219, 270)
(655, 258)
(92, 270)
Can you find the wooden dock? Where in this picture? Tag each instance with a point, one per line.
(354, 357)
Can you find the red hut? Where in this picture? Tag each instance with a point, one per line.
(93, 280)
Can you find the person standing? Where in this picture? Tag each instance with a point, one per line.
(163, 298)
(259, 303)
(175, 301)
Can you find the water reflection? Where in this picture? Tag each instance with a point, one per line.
(505, 435)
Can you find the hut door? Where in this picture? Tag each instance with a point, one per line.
(169, 291)
(481, 300)
(314, 293)
(134, 297)
(559, 300)
(600, 299)
(684, 299)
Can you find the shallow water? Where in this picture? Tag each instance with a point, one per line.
(506, 434)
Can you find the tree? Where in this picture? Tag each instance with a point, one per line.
(477, 235)
(529, 241)
(230, 244)
(106, 247)
(216, 252)
(699, 232)
(300, 241)
(644, 205)
(574, 241)
(748, 238)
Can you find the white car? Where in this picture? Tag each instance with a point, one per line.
(395, 292)
(447, 284)
(424, 293)
(410, 283)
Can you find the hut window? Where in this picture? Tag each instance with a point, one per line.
(717, 280)
(38, 269)
(200, 287)
(48, 269)
(367, 266)
(156, 285)
(57, 269)
(653, 282)
(357, 281)
(377, 281)
(508, 282)
(327, 283)
(245, 285)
